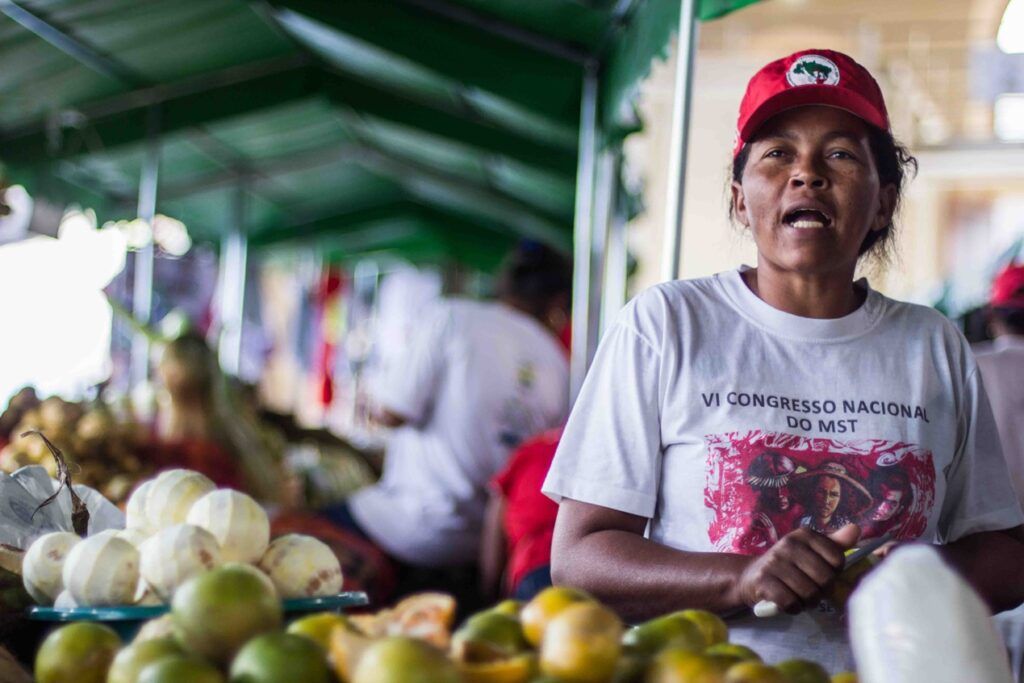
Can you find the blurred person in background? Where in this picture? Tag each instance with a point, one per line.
(1001, 363)
(477, 379)
(206, 424)
(515, 552)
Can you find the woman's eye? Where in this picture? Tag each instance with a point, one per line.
(774, 154)
(841, 154)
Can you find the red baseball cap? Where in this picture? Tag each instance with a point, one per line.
(809, 77)
(1008, 287)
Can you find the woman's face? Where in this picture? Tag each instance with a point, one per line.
(810, 191)
(827, 491)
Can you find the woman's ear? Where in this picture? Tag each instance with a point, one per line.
(887, 195)
(739, 204)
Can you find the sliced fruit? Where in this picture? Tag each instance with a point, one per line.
(347, 648)
(427, 616)
(374, 625)
(318, 627)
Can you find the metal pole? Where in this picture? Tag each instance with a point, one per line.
(615, 263)
(233, 264)
(142, 291)
(583, 232)
(604, 208)
(686, 50)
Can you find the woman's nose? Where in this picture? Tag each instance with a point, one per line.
(808, 174)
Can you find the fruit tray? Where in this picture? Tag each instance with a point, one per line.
(129, 617)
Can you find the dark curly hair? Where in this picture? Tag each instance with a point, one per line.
(895, 164)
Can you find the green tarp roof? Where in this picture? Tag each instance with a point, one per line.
(433, 127)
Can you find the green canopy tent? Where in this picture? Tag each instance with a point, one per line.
(431, 128)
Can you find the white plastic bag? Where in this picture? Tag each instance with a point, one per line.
(914, 620)
(20, 495)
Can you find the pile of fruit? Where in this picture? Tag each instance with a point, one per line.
(223, 627)
(565, 635)
(103, 449)
(178, 526)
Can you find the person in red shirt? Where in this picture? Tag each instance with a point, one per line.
(520, 522)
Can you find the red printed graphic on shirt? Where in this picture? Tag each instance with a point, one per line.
(762, 485)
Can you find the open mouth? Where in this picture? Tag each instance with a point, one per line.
(807, 219)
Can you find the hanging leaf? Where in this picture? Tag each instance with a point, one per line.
(79, 512)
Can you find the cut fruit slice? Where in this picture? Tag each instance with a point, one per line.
(427, 616)
(346, 650)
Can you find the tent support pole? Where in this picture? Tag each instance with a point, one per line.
(604, 210)
(615, 262)
(583, 232)
(234, 253)
(142, 290)
(686, 52)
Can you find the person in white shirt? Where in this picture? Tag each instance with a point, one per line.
(477, 379)
(1002, 367)
(667, 500)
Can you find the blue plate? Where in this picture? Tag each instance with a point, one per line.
(127, 620)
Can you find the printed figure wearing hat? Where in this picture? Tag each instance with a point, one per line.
(832, 496)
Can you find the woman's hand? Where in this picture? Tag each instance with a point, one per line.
(796, 569)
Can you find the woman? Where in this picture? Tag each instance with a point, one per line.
(697, 378)
(833, 498)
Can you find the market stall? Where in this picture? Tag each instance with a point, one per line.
(437, 130)
(341, 129)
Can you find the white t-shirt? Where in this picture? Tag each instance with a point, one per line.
(729, 423)
(1002, 368)
(477, 379)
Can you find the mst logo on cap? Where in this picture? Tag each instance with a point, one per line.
(807, 78)
(813, 70)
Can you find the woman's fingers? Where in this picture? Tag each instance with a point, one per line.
(772, 589)
(818, 568)
(796, 569)
(823, 546)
